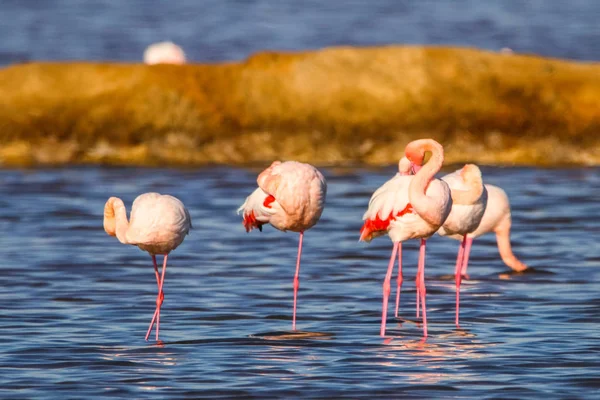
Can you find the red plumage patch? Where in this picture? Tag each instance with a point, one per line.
(378, 225)
(250, 222)
(268, 201)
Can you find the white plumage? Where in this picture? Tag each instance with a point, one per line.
(158, 224)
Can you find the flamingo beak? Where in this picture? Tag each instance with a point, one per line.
(415, 168)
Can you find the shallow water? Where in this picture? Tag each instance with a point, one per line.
(75, 303)
(211, 30)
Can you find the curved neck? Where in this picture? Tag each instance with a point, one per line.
(504, 247)
(115, 219)
(427, 207)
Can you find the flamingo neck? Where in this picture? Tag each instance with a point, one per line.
(425, 206)
(115, 219)
(474, 182)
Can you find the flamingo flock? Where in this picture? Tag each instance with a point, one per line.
(290, 196)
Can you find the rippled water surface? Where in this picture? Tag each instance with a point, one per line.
(75, 303)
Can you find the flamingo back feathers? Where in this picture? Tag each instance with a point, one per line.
(377, 226)
(158, 223)
(300, 191)
(387, 204)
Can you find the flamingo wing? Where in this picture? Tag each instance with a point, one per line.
(257, 210)
(388, 203)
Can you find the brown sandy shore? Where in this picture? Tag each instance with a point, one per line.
(332, 106)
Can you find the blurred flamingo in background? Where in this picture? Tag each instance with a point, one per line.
(469, 199)
(291, 197)
(158, 224)
(164, 53)
(409, 207)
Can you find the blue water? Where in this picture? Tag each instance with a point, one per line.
(213, 30)
(75, 303)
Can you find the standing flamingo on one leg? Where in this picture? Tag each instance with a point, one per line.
(158, 224)
(496, 218)
(469, 199)
(409, 207)
(290, 196)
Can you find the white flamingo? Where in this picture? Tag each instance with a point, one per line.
(291, 197)
(409, 207)
(158, 224)
(469, 200)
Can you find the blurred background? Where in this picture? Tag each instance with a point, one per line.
(218, 30)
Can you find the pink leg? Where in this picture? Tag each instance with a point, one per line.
(466, 256)
(156, 270)
(421, 278)
(418, 292)
(418, 296)
(399, 281)
(458, 276)
(297, 280)
(463, 269)
(159, 301)
(386, 288)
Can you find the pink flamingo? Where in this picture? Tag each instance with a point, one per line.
(469, 199)
(409, 207)
(158, 224)
(164, 53)
(290, 196)
(496, 218)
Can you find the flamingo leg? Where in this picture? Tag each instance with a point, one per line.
(159, 301)
(156, 270)
(418, 292)
(458, 275)
(421, 279)
(297, 280)
(399, 281)
(462, 270)
(418, 296)
(387, 288)
(466, 257)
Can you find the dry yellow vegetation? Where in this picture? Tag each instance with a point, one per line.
(332, 106)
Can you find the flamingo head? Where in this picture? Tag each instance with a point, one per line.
(415, 153)
(417, 150)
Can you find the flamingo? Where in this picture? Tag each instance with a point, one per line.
(164, 53)
(158, 224)
(409, 207)
(291, 197)
(469, 199)
(496, 218)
